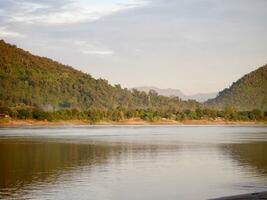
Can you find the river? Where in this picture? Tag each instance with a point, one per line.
(132, 162)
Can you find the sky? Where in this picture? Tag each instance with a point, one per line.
(197, 46)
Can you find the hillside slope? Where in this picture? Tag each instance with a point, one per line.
(249, 92)
(36, 81)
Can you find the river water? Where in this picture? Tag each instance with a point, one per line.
(132, 162)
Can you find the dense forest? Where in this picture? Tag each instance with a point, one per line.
(38, 82)
(93, 115)
(33, 87)
(249, 92)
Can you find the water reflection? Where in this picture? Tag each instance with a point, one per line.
(31, 161)
(152, 166)
(251, 154)
(25, 162)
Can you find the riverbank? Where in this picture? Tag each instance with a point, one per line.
(133, 121)
(254, 196)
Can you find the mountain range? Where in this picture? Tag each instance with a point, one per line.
(200, 97)
(34, 81)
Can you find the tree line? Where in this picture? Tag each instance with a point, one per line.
(94, 115)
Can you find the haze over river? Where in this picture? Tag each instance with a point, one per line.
(132, 162)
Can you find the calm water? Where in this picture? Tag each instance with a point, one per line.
(125, 163)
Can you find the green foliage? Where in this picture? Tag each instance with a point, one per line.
(248, 93)
(41, 115)
(43, 83)
(33, 87)
(95, 115)
(24, 114)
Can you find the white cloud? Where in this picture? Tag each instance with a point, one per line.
(30, 7)
(99, 52)
(4, 32)
(71, 12)
(92, 48)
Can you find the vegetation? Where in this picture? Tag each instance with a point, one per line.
(33, 87)
(248, 93)
(33, 81)
(95, 115)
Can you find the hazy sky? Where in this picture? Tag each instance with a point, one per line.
(192, 45)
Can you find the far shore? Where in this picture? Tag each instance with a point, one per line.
(134, 121)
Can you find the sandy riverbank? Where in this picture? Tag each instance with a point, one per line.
(134, 121)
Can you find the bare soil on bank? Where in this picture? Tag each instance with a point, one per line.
(133, 121)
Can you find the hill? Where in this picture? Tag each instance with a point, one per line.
(249, 92)
(200, 97)
(165, 92)
(34, 81)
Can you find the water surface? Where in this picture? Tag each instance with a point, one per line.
(132, 162)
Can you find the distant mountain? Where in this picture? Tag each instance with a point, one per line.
(200, 97)
(29, 80)
(165, 92)
(249, 92)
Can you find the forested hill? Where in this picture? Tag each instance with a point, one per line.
(249, 92)
(28, 80)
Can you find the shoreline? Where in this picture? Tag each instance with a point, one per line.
(249, 196)
(135, 121)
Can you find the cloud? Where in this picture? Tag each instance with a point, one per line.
(92, 48)
(68, 12)
(103, 52)
(167, 39)
(4, 32)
